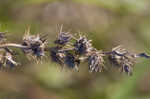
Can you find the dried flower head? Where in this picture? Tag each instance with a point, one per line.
(35, 45)
(116, 55)
(63, 37)
(64, 57)
(96, 61)
(127, 65)
(82, 45)
(123, 59)
(57, 55)
(71, 61)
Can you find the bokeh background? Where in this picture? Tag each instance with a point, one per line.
(107, 22)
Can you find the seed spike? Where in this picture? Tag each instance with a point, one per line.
(70, 50)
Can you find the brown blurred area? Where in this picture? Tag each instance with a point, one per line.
(106, 23)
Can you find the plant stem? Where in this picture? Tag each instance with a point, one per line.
(12, 45)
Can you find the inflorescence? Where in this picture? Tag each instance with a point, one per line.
(69, 51)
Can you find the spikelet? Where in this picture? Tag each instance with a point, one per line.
(35, 44)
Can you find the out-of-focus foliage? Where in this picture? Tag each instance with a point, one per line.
(107, 22)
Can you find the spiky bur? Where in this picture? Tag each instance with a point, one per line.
(35, 45)
(82, 45)
(63, 37)
(57, 55)
(75, 50)
(71, 61)
(123, 59)
(64, 57)
(96, 61)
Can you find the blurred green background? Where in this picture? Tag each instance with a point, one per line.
(107, 22)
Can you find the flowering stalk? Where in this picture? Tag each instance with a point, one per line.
(69, 51)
